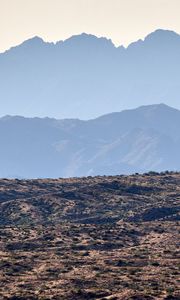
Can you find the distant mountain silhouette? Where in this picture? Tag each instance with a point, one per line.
(137, 140)
(86, 76)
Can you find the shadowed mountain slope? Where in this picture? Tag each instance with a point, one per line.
(139, 140)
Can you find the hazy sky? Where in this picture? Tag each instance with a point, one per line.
(123, 21)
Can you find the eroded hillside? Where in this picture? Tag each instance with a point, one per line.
(90, 238)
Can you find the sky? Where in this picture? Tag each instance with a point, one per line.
(123, 21)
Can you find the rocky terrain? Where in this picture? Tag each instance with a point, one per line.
(100, 237)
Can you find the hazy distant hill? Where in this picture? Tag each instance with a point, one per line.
(86, 76)
(139, 140)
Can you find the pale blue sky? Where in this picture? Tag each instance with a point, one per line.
(123, 21)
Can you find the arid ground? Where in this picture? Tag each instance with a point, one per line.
(113, 237)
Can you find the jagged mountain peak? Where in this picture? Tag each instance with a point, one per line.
(159, 38)
(33, 43)
(86, 76)
(159, 35)
(88, 41)
(35, 39)
(162, 35)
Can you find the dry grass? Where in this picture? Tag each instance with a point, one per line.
(90, 238)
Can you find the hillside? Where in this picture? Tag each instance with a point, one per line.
(103, 237)
(137, 140)
(85, 76)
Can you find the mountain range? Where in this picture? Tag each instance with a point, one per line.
(138, 140)
(86, 76)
